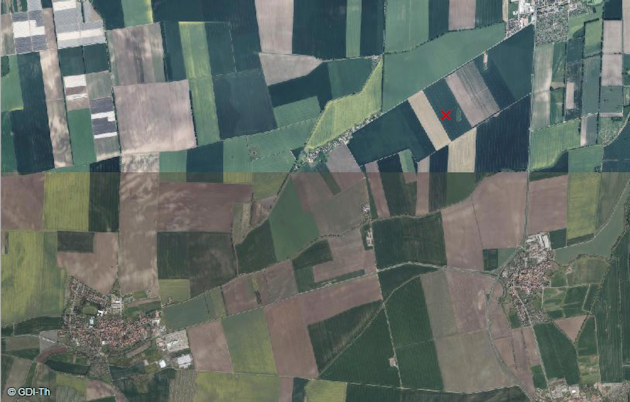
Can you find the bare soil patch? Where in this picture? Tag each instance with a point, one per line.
(203, 207)
(149, 120)
(499, 203)
(22, 202)
(209, 347)
(329, 301)
(461, 236)
(548, 204)
(98, 270)
(290, 340)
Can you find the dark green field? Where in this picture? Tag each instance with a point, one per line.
(401, 240)
(355, 365)
(558, 354)
(207, 259)
(607, 314)
(332, 336)
(391, 279)
(37, 325)
(256, 251)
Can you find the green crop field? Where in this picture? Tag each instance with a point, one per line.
(279, 141)
(391, 279)
(81, 137)
(249, 344)
(137, 12)
(355, 365)
(582, 204)
(178, 289)
(408, 315)
(419, 367)
(549, 143)
(325, 391)
(257, 250)
(438, 57)
(605, 239)
(11, 90)
(32, 285)
(404, 239)
(587, 270)
(407, 24)
(587, 160)
(593, 37)
(204, 110)
(330, 337)
(539, 377)
(607, 311)
(66, 201)
(291, 227)
(191, 312)
(558, 353)
(342, 114)
(236, 387)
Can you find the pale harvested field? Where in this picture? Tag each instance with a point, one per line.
(286, 390)
(548, 204)
(441, 313)
(6, 35)
(22, 202)
(154, 117)
(462, 153)
(239, 295)
(98, 270)
(461, 14)
(202, 207)
(137, 55)
(138, 262)
(53, 87)
(275, 25)
(18, 373)
(422, 193)
(376, 187)
(138, 237)
(280, 281)
(311, 189)
(613, 37)
(98, 389)
(343, 212)
(329, 301)
(139, 201)
(49, 28)
(472, 93)
(541, 112)
(59, 134)
(348, 256)
(468, 364)
(569, 98)
(344, 167)
(530, 344)
(499, 328)
(290, 340)
(468, 297)
(499, 203)
(571, 326)
(209, 347)
(461, 235)
(142, 163)
(429, 120)
(341, 160)
(279, 68)
(514, 354)
(612, 68)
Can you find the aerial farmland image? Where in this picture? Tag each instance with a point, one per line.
(315, 200)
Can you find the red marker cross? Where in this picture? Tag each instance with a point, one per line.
(445, 115)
